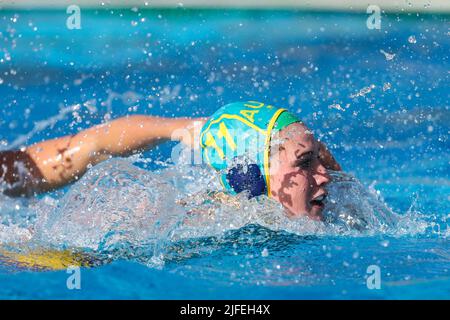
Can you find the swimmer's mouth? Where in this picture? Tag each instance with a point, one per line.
(319, 200)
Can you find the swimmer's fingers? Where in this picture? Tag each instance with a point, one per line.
(327, 159)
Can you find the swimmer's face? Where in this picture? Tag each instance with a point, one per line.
(297, 178)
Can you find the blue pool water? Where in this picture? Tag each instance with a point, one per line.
(378, 98)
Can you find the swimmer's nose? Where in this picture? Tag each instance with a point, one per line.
(321, 176)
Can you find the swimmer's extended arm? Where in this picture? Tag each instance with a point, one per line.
(65, 159)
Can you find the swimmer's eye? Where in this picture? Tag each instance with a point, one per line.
(304, 163)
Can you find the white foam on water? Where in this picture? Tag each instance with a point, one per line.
(121, 209)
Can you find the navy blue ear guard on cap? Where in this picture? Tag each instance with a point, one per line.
(251, 180)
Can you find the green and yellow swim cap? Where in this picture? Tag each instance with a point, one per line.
(236, 142)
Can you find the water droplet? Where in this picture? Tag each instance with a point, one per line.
(412, 39)
(363, 91)
(385, 243)
(336, 106)
(387, 55)
(386, 86)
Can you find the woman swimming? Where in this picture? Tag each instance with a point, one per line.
(255, 148)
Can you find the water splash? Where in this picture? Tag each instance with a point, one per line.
(50, 122)
(336, 106)
(126, 212)
(362, 92)
(412, 39)
(387, 55)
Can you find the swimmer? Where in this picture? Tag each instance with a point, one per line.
(264, 150)
(255, 148)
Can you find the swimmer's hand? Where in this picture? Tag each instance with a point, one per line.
(327, 159)
(190, 134)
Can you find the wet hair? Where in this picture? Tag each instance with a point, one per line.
(19, 174)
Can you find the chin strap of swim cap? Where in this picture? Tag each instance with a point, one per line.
(236, 142)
